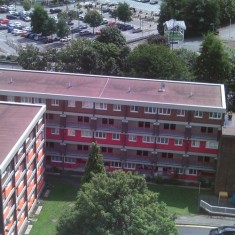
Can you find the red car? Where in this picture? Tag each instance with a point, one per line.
(4, 21)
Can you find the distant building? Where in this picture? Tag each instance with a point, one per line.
(174, 31)
(22, 163)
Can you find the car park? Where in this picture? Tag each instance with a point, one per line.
(16, 32)
(223, 230)
(4, 21)
(27, 19)
(70, 23)
(85, 33)
(3, 9)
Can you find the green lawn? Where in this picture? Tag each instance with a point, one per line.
(62, 196)
(179, 200)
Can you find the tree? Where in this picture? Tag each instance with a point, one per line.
(117, 203)
(213, 64)
(94, 163)
(39, 19)
(26, 5)
(62, 28)
(112, 35)
(158, 39)
(93, 18)
(227, 11)
(50, 27)
(124, 13)
(156, 61)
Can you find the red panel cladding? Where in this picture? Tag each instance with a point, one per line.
(53, 136)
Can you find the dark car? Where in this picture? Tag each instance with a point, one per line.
(70, 23)
(47, 40)
(126, 27)
(138, 30)
(85, 33)
(83, 26)
(223, 230)
(105, 10)
(55, 10)
(11, 17)
(3, 26)
(76, 30)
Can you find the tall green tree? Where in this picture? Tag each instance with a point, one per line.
(112, 35)
(94, 163)
(39, 19)
(213, 64)
(156, 61)
(93, 18)
(227, 11)
(50, 27)
(27, 5)
(117, 203)
(123, 12)
(62, 28)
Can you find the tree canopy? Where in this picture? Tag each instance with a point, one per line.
(123, 12)
(62, 28)
(213, 64)
(93, 18)
(117, 203)
(27, 5)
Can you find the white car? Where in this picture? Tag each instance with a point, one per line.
(17, 24)
(65, 39)
(16, 32)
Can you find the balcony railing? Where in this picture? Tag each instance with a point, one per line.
(78, 125)
(174, 133)
(140, 130)
(111, 128)
(203, 136)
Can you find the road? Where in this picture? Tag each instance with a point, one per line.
(193, 230)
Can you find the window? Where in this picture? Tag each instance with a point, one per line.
(115, 136)
(169, 126)
(55, 131)
(150, 110)
(71, 103)
(178, 142)
(164, 111)
(83, 119)
(180, 112)
(106, 150)
(162, 140)
(55, 102)
(132, 138)
(116, 164)
(215, 115)
(87, 105)
(212, 144)
(39, 101)
(101, 106)
(128, 165)
(10, 98)
(198, 114)
(117, 107)
(195, 143)
(107, 121)
(144, 124)
(56, 159)
(71, 132)
(100, 135)
(86, 133)
(191, 172)
(178, 170)
(206, 129)
(69, 160)
(142, 153)
(134, 109)
(167, 155)
(148, 139)
(26, 100)
(82, 147)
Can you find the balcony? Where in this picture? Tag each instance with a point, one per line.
(139, 130)
(171, 133)
(77, 154)
(203, 136)
(52, 123)
(109, 128)
(78, 125)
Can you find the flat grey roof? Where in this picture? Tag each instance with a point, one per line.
(113, 88)
(15, 119)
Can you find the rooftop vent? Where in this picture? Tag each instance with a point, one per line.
(129, 89)
(11, 81)
(162, 88)
(69, 85)
(191, 94)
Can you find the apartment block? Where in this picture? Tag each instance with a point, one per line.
(163, 128)
(22, 163)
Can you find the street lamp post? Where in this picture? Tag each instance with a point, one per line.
(213, 27)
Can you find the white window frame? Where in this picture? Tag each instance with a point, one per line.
(11, 98)
(215, 115)
(87, 105)
(26, 100)
(86, 133)
(164, 111)
(116, 164)
(115, 136)
(162, 140)
(117, 107)
(132, 138)
(151, 110)
(195, 143)
(198, 114)
(70, 160)
(134, 109)
(148, 139)
(71, 132)
(56, 159)
(178, 142)
(54, 102)
(212, 144)
(55, 131)
(71, 103)
(101, 106)
(37, 100)
(128, 165)
(188, 172)
(180, 112)
(100, 135)
(179, 171)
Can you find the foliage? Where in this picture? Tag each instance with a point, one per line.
(27, 5)
(68, 15)
(227, 11)
(114, 14)
(50, 27)
(94, 163)
(112, 35)
(156, 61)
(62, 28)
(39, 19)
(93, 18)
(30, 58)
(200, 16)
(157, 39)
(118, 203)
(213, 64)
(123, 12)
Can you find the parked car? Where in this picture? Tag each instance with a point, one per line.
(85, 33)
(4, 21)
(223, 230)
(76, 30)
(55, 10)
(3, 26)
(81, 18)
(27, 19)
(17, 32)
(83, 26)
(153, 2)
(65, 39)
(47, 40)
(3, 9)
(126, 27)
(11, 17)
(105, 10)
(70, 23)
(136, 30)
